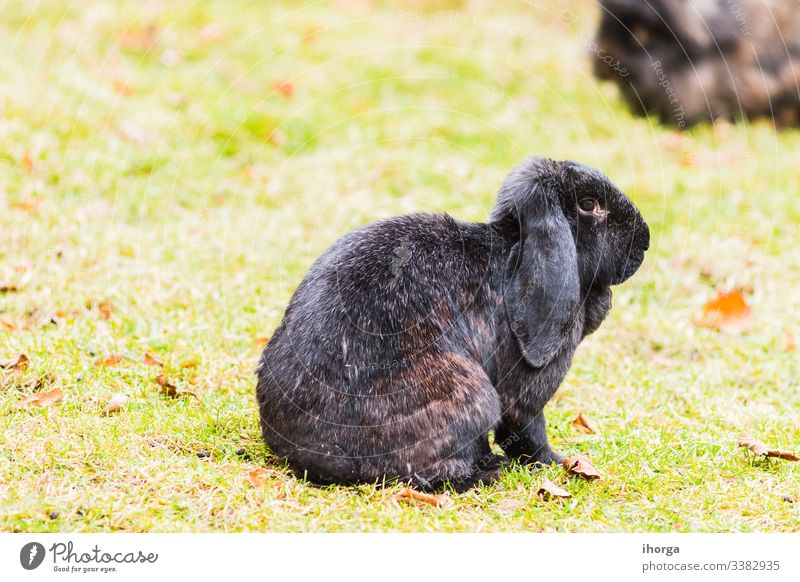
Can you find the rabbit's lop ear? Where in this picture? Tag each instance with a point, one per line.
(542, 285)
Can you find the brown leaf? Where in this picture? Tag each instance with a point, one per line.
(190, 363)
(18, 365)
(284, 88)
(167, 388)
(757, 447)
(7, 325)
(29, 205)
(43, 399)
(115, 404)
(122, 87)
(760, 449)
(105, 309)
(257, 477)
(583, 424)
(8, 288)
(139, 39)
(408, 495)
(785, 455)
(728, 312)
(790, 345)
(109, 360)
(581, 466)
(151, 360)
(551, 490)
(28, 163)
(277, 137)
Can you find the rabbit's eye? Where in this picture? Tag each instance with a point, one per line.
(588, 205)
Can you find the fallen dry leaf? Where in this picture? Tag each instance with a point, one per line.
(7, 325)
(8, 288)
(28, 163)
(583, 424)
(43, 399)
(408, 495)
(192, 363)
(790, 344)
(263, 340)
(115, 404)
(122, 87)
(581, 466)
(105, 309)
(139, 39)
(785, 455)
(728, 312)
(151, 360)
(257, 477)
(109, 360)
(760, 449)
(551, 490)
(167, 388)
(277, 138)
(18, 365)
(757, 447)
(284, 88)
(29, 205)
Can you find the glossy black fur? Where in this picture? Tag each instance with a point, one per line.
(689, 61)
(411, 338)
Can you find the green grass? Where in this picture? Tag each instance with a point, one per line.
(169, 177)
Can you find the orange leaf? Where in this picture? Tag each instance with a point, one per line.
(582, 467)
(151, 360)
(43, 399)
(109, 360)
(122, 87)
(18, 365)
(139, 39)
(8, 325)
(790, 345)
(285, 88)
(257, 477)
(785, 455)
(115, 404)
(167, 388)
(757, 447)
(551, 490)
(29, 205)
(105, 309)
(277, 137)
(728, 312)
(408, 495)
(760, 449)
(190, 363)
(263, 340)
(583, 424)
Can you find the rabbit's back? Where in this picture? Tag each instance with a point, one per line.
(384, 345)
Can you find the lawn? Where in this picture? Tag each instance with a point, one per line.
(168, 172)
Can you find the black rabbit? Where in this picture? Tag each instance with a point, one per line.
(688, 61)
(413, 337)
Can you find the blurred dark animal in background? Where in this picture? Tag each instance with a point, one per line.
(687, 61)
